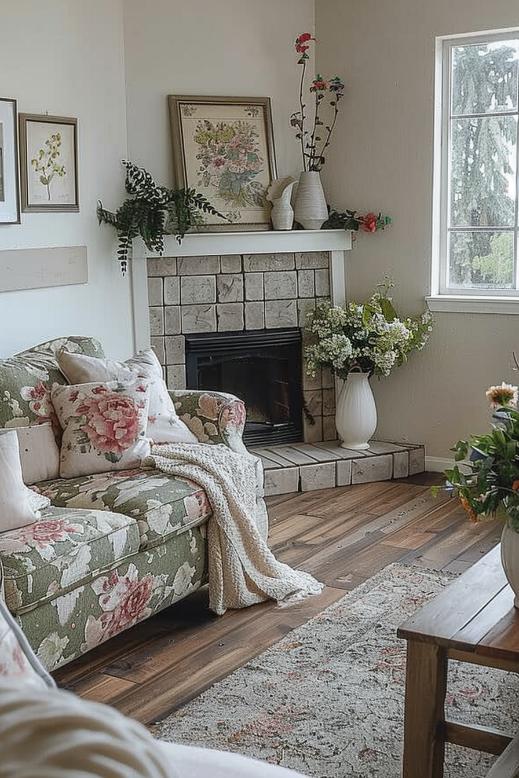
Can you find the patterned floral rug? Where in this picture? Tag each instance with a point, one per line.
(328, 699)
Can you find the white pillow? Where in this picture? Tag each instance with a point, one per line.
(18, 505)
(39, 453)
(104, 426)
(164, 426)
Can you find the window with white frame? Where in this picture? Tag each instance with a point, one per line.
(477, 224)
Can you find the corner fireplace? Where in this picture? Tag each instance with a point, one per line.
(263, 368)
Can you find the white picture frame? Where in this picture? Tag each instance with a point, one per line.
(9, 193)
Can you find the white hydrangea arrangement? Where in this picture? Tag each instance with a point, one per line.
(368, 336)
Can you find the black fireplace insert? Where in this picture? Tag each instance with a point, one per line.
(263, 368)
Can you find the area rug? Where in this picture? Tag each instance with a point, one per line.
(327, 700)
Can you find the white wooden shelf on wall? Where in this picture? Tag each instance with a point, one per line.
(336, 242)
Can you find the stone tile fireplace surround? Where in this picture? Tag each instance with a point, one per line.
(240, 293)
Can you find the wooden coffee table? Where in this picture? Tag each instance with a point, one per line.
(473, 621)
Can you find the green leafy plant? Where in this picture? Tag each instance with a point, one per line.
(364, 336)
(353, 220)
(152, 212)
(46, 162)
(487, 482)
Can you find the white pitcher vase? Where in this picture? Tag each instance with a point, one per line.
(310, 204)
(356, 412)
(510, 559)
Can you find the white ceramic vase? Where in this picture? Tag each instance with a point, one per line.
(356, 412)
(510, 559)
(310, 204)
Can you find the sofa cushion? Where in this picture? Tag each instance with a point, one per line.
(26, 380)
(162, 504)
(62, 550)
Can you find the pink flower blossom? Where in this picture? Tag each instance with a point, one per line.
(112, 421)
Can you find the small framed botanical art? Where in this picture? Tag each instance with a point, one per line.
(9, 201)
(223, 147)
(48, 163)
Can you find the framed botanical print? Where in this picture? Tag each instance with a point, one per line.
(48, 163)
(223, 147)
(9, 200)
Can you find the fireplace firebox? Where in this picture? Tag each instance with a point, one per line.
(263, 368)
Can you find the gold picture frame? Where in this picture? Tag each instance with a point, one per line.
(224, 148)
(49, 163)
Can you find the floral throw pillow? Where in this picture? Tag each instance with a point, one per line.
(164, 426)
(104, 426)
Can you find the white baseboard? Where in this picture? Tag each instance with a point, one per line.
(438, 464)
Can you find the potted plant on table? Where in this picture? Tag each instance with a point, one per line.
(487, 483)
(356, 341)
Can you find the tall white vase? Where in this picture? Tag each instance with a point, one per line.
(510, 559)
(310, 204)
(356, 412)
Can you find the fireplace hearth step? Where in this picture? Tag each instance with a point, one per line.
(304, 467)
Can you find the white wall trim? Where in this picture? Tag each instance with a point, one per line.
(443, 303)
(438, 464)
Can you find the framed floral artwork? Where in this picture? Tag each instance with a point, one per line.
(9, 200)
(48, 163)
(223, 147)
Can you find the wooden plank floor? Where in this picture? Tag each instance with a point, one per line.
(343, 536)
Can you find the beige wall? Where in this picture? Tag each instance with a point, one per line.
(67, 58)
(382, 160)
(236, 47)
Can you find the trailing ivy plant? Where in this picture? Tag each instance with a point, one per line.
(152, 212)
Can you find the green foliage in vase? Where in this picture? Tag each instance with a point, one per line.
(46, 162)
(368, 336)
(152, 212)
(487, 483)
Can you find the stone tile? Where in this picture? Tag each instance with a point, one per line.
(282, 481)
(175, 349)
(303, 307)
(383, 447)
(312, 383)
(314, 402)
(313, 433)
(157, 344)
(281, 286)
(254, 286)
(416, 461)
(344, 472)
(229, 316)
(155, 292)
(311, 259)
(322, 283)
(157, 320)
(328, 401)
(198, 266)
(320, 476)
(173, 326)
(172, 290)
(400, 464)
(162, 266)
(198, 318)
(329, 429)
(230, 263)
(230, 288)
(254, 316)
(367, 469)
(255, 263)
(305, 283)
(195, 290)
(280, 313)
(176, 376)
(327, 378)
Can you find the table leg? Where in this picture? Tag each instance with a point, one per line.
(426, 685)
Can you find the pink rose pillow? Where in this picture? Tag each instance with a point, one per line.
(104, 426)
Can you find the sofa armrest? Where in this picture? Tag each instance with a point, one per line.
(214, 417)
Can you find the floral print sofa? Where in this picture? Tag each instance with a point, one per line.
(113, 548)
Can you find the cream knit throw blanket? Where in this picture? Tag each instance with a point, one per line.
(242, 569)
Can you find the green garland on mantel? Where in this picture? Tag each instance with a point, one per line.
(152, 212)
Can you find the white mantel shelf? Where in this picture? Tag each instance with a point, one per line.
(199, 244)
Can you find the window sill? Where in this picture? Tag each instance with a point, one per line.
(446, 303)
